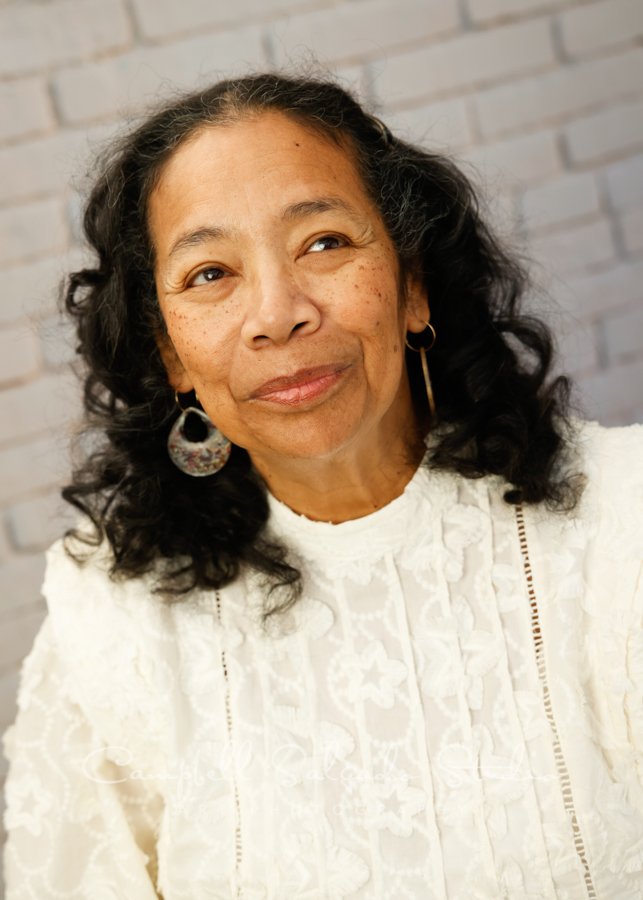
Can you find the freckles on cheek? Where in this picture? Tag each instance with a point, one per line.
(174, 319)
(181, 333)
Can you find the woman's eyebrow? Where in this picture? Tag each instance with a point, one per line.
(318, 205)
(299, 210)
(198, 236)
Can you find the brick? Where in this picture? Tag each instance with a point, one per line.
(577, 349)
(5, 550)
(114, 86)
(616, 391)
(355, 30)
(518, 160)
(624, 182)
(356, 79)
(19, 355)
(20, 581)
(624, 335)
(443, 124)
(36, 36)
(162, 19)
(75, 209)
(632, 229)
(48, 165)
(17, 635)
(576, 338)
(499, 209)
(609, 132)
(470, 61)
(32, 290)
(596, 295)
(554, 96)
(578, 352)
(485, 10)
(31, 467)
(26, 108)
(35, 524)
(38, 407)
(600, 25)
(58, 339)
(616, 419)
(4, 768)
(576, 249)
(31, 230)
(8, 707)
(570, 197)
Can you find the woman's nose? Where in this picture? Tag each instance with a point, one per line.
(279, 308)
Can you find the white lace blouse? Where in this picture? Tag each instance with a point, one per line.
(453, 710)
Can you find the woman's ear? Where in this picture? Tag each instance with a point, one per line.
(418, 312)
(176, 374)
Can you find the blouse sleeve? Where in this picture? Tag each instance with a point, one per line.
(615, 574)
(81, 823)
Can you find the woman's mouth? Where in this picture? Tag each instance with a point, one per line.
(301, 387)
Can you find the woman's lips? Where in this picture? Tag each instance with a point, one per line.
(307, 384)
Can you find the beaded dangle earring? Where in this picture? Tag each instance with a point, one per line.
(425, 366)
(203, 456)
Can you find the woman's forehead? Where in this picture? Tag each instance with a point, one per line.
(258, 142)
(262, 162)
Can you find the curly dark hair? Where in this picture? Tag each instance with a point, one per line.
(498, 409)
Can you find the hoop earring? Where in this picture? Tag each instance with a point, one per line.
(197, 458)
(425, 366)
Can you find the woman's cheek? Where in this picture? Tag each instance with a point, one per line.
(193, 335)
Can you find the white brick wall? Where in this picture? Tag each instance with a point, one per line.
(559, 94)
(31, 230)
(167, 19)
(599, 296)
(444, 124)
(19, 354)
(624, 335)
(518, 160)
(35, 36)
(467, 61)
(540, 100)
(624, 182)
(365, 29)
(570, 197)
(485, 11)
(113, 86)
(576, 249)
(601, 25)
(608, 133)
(631, 224)
(26, 108)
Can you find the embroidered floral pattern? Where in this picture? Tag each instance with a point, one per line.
(393, 805)
(388, 740)
(373, 676)
(29, 802)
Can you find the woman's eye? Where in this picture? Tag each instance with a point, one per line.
(327, 242)
(206, 276)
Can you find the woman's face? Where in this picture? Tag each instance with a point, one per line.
(281, 291)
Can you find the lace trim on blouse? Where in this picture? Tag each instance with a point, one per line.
(561, 765)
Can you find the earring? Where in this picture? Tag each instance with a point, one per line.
(197, 458)
(425, 366)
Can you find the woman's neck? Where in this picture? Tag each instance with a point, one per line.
(346, 485)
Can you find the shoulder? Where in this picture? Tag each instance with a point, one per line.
(604, 531)
(603, 450)
(109, 636)
(82, 597)
(611, 459)
(606, 528)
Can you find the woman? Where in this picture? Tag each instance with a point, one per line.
(359, 610)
